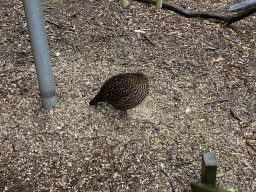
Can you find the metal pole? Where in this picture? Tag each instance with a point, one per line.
(37, 33)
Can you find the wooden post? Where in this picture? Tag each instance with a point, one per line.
(209, 168)
(158, 3)
(124, 3)
(208, 175)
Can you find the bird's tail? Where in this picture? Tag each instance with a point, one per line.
(93, 101)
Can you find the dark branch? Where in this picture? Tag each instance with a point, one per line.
(243, 5)
(228, 19)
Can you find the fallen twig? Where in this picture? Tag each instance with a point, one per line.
(149, 40)
(250, 145)
(234, 114)
(218, 101)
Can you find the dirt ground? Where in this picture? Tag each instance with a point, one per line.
(202, 98)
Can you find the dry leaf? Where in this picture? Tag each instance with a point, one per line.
(188, 110)
(220, 175)
(115, 175)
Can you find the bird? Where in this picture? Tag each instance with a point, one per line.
(123, 91)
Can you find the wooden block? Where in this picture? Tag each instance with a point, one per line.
(209, 169)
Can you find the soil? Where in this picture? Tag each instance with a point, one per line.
(202, 99)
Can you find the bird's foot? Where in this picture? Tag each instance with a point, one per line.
(124, 114)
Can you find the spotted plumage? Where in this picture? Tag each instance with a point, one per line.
(123, 91)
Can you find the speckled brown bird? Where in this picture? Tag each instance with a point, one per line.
(123, 91)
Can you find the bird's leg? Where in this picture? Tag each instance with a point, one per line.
(124, 114)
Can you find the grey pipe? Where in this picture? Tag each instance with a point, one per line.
(37, 33)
